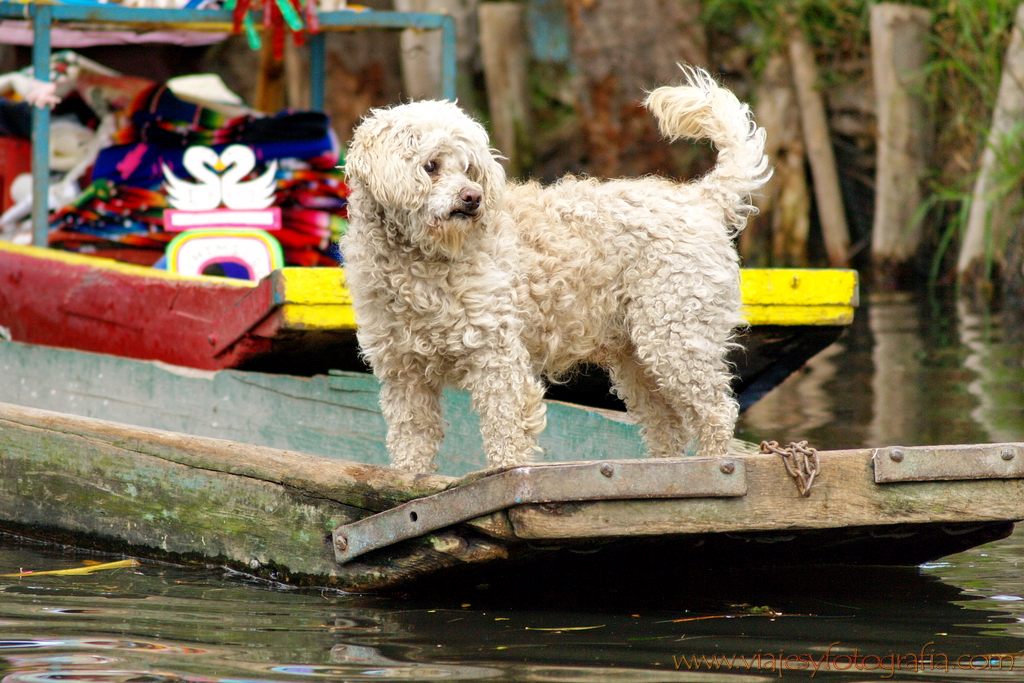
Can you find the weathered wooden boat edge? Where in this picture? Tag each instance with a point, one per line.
(276, 513)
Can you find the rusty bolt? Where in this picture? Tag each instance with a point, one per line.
(606, 469)
(896, 455)
(1007, 454)
(728, 467)
(341, 543)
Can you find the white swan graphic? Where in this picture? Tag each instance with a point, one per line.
(202, 195)
(257, 193)
(211, 189)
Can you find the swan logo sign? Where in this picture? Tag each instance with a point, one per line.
(218, 180)
(229, 242)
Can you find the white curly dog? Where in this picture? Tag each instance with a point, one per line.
(461, 279)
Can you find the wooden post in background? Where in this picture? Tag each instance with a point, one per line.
(814, 121)
(993, 218)
(296, 73)
(270, 80)
(504, 51)
(421, 50)
(421, 56)
(898, 54)
(782, 226)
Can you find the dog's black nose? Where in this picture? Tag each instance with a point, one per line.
(470, 199)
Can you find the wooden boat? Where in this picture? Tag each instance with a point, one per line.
(307, 519)
(338, 519)
(299, 320)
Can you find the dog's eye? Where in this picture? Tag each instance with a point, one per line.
(430, 167)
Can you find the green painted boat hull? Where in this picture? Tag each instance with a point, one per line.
(326, 415)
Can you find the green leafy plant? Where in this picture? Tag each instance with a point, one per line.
(968, 44)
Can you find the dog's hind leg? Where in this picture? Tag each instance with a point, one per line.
(685, 359)
(664, 430)
(695, 383)
(415, 421)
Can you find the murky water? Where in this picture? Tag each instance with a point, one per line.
(904, 375)
(909, 373)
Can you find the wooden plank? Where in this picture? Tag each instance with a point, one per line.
(369, 487)
(278, 411)
(949, 463)
(99, 484)
(844, 495)
(262, 510)
(491, 492)
(814, 121)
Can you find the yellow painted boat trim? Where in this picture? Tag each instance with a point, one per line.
(317, 299)
(318, 317)
(799, 286)
(313, 299)
(311, 286)
(799, 296)
(798, 315)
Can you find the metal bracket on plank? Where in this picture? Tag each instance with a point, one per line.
(533, 484)
(948, 463)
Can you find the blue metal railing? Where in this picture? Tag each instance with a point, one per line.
(43, 16)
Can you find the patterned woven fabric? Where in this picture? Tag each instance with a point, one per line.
(121, 213)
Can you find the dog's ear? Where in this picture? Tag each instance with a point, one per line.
(492, 179)
(379, 157)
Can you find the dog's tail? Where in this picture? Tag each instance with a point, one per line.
(703, 109)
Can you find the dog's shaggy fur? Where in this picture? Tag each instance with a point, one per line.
(461, 279)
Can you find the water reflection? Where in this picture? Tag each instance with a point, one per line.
(137, 626)
(998, 384)
(901, 375)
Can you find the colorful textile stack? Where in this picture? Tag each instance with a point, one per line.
(121, 213)
(115, 221)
